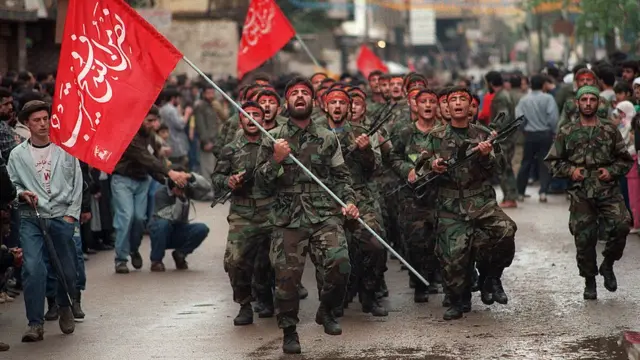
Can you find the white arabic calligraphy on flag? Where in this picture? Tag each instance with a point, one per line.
(257, 24)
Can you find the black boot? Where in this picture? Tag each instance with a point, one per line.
(338, 311)
(590, 289)
(498, 292)
(606, 270)
(327, 319)
(291, 341)
(371, 304)
(52, 313)
(267, 310)
(455, 311)
(76, 307)
(486, 291)
(446, 301)
(466, 301)
(475, 280)
(245, 316)
(420, 294)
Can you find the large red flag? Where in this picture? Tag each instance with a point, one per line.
(368, 62)
(266, 30)
(113, 64)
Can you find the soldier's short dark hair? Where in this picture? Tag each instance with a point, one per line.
(374, 73)
(268, 92)
(262, 77)
(494, 78)
(455, 89)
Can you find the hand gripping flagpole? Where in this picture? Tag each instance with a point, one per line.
(307, 171)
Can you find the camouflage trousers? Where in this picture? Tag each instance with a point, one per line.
(326, 245)
(507, 177)
(390, 217)
(585, 212)
(457, 245)
(368, 256)
(246, 258)
(419, 231)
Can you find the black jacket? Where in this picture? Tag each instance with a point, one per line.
(7, 190)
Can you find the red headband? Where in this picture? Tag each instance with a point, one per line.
(269, 96)
(413, 93)
(586, 75)
(297, 87)
(461, 93)
(429, 95)
(336, 95)
(445, 97)
(250, 107)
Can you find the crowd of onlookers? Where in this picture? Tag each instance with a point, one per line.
(184, 128)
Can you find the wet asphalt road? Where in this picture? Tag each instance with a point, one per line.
(188, 315)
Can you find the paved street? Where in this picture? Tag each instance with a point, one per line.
(188, 315)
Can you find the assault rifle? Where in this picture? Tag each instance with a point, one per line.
(227, 194)
(466, 155)
(372, 131)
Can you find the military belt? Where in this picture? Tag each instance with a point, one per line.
(452, 193)
(301, 188)
(251, 202)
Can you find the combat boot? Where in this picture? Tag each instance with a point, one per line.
(455, 311)
(466, 301)
(290, 341)
(338, 311)
(52, 313)
(590, 289)
(76, 307)
(267, 307)
(498, 292)
(245, 316)
(486, 291)
(606, 270)
(371, 304)
(420, 294)
(327, 319)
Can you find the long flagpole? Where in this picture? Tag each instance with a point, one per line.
(307, 171)
(306, 49)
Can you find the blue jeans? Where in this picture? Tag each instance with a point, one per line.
(183, 237)
(34, 268)
(129, 203)
(81, 276)
(151, 200)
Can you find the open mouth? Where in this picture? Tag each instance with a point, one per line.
(300, 104)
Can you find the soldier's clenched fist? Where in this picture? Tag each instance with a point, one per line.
(351, 211)
(363, 142)
(281, 150)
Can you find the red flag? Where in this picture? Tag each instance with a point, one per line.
(112, 66)
(266, 30)
(368, 62)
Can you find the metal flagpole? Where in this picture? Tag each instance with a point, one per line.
(307, 171)
(306, 49)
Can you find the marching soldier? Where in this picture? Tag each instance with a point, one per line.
(467, 204)
(367, 254)
(419, 218)
(305, 218)
(249, 236)
(592, 153)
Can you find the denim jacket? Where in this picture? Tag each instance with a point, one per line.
(66, 182)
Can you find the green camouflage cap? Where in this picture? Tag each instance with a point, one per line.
(587, 89)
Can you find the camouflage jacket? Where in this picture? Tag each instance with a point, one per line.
(502, 103)
(362, 165)
(466, 190)
(238, 156)
(318, 114)
(589, 147)
(570, 112)
(298, 196)
(408, 145)
(373, 107)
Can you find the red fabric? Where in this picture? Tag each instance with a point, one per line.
(266, 30)
(112, 66)
(368, 62)
(484, 116)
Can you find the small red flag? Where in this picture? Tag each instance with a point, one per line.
(266, 30)
(368, 62)
(112, 66)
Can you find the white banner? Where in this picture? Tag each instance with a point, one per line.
(422, 27)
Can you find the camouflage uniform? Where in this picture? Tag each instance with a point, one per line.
(373, 107)
(367, 254)
(248, 242)
(467, 204)
(306, 218)
(417, 216)
(502, 103)
(592, 148)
